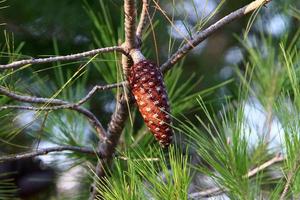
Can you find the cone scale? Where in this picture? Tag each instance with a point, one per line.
(147, 86)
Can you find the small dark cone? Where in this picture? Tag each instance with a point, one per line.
(147, 86)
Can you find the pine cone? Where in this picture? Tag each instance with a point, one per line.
(147, 86)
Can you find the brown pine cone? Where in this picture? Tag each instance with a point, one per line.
(147, 86)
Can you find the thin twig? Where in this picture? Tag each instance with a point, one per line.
(276, 159)
(289, 180)
(201, 36)
(164, 13)
(67, 105)
(207, 193)
(217, 190)
(97, 88)
(287, 185)
(50, 101)
(41, 130)
(43, 108)
(143, 19)
(20, 63)
(45, 151)
(30, 99)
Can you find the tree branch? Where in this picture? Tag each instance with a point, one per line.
(289, 179)
(30, 99)
(143, 19)
(45, 151)
(97, 88)
(115, 128)
(117, 122)
(130, 19)
(107, 147)
(120, 114)
(51, 108)
(201, 36)
(67, 105)
(60, 105)
(217, 190)
(20, 63)
(276, 159)
(286, 186)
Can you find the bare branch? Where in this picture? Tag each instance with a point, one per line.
(108, 146)
(130, 28)
(120, 114)
(115, 127)
(45, 151)
(143, 19)
(50, 101)
(64, 105)
(20, 63)
(276, 159)
(217, 190)
(97, 88)
(30, 99)
(35, 108)
(207, 193)
(201, 36)
(289, 179)
(287, 185)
